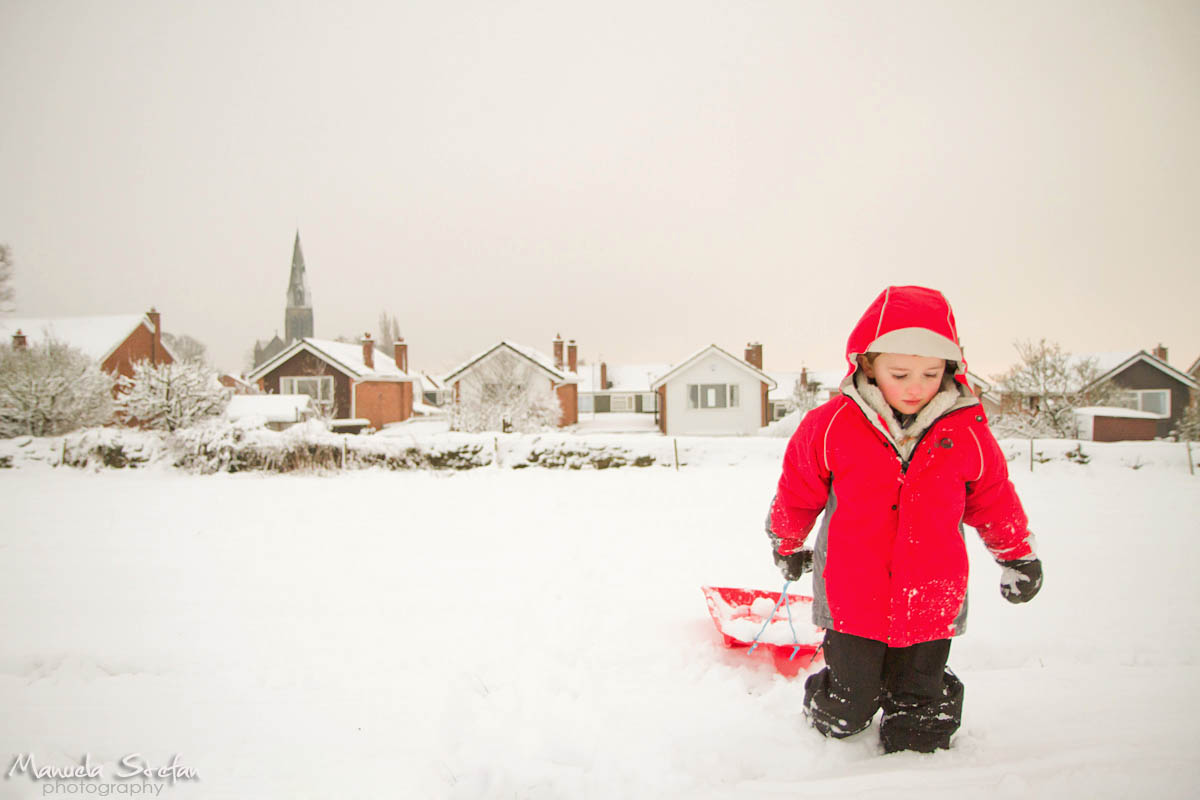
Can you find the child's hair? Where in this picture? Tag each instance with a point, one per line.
(951, 366)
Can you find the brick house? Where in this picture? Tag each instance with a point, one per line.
(115, 341)
(1148, 384)
(714, 393)
(559, 373)
(354, 382)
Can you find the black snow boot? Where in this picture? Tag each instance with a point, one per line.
(924, 725)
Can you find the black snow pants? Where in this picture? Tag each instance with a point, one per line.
(921, 699)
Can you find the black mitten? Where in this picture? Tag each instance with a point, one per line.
(793, 566)
(1020, 580)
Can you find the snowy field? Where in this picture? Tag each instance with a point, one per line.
(542, 634)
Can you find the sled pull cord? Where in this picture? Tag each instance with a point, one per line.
(795, 638)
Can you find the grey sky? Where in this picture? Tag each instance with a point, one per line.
(646, 177)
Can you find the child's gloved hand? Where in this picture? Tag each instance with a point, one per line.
(794, 566)
(1020, 580)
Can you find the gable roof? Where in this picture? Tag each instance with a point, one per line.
(712, 348)
(1106, 362)
(345, 357)
(431, 383)
(1195, 366)
(96, 337)
(538, 358)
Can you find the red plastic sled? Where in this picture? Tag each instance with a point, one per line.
(739, 615)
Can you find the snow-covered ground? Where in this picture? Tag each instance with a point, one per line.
(541, 634)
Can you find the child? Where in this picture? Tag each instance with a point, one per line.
(897, 462)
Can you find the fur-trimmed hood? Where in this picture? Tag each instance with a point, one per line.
(910, 320)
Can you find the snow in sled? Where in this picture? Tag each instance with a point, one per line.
(741, 614)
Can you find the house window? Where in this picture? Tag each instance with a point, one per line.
(622, 402)
(1153, 401)
(586, 406)
(712, 395)
(318, 387)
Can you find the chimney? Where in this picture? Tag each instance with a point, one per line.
(1160, 352)
(603, 375)
(558, 354)
(156, 347)
(572, 356)
(368, 345)
(401, 355)
(804, 378)
(754, 354)
(19, 342)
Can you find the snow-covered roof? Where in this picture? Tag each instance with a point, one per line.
(272, 407)
(539, 359)
(345, 356)
(97, 337)
(712, 348)
(623, 377)
(1113, 364)
(431, 383)
(1112, 411)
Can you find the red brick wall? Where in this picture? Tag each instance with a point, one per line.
(382, 402)
(137, 347)
(568, 399)
(765, 405)
(1121, 429)
(662, 408)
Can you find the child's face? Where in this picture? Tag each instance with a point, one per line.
(907, 382)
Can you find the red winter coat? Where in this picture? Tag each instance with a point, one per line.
(890, 560)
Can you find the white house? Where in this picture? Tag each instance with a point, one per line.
(712, 393)
(508, 365)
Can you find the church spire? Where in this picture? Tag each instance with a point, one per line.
(298, 318)
(298, 296)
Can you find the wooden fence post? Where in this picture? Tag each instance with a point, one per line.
(676, 455)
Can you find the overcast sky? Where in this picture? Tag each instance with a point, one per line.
(645, 177)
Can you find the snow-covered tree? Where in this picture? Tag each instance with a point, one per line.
(505, 393)
(806, 396)
(1188, 427)
(51, 389)
(1045, 387)
(6, 273)
(170, 396)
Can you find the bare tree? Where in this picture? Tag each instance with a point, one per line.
(6, 274)
(389, 332)
(1042, 391)
(806, 395)
(51, 389)
(505, 393)
(188, 348)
